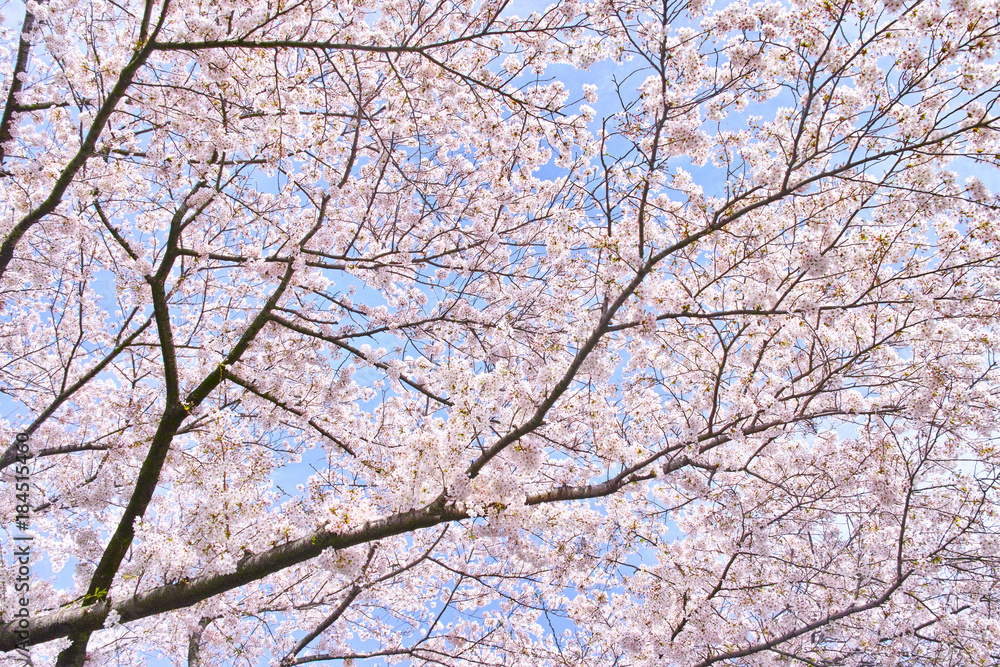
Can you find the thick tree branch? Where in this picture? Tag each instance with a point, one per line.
(86, 150)
(16, 83)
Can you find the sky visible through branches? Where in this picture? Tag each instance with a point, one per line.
(472, 333)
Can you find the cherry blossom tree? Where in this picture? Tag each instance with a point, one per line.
(369, 330)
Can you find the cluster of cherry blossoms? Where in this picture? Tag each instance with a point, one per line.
(607, 333)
